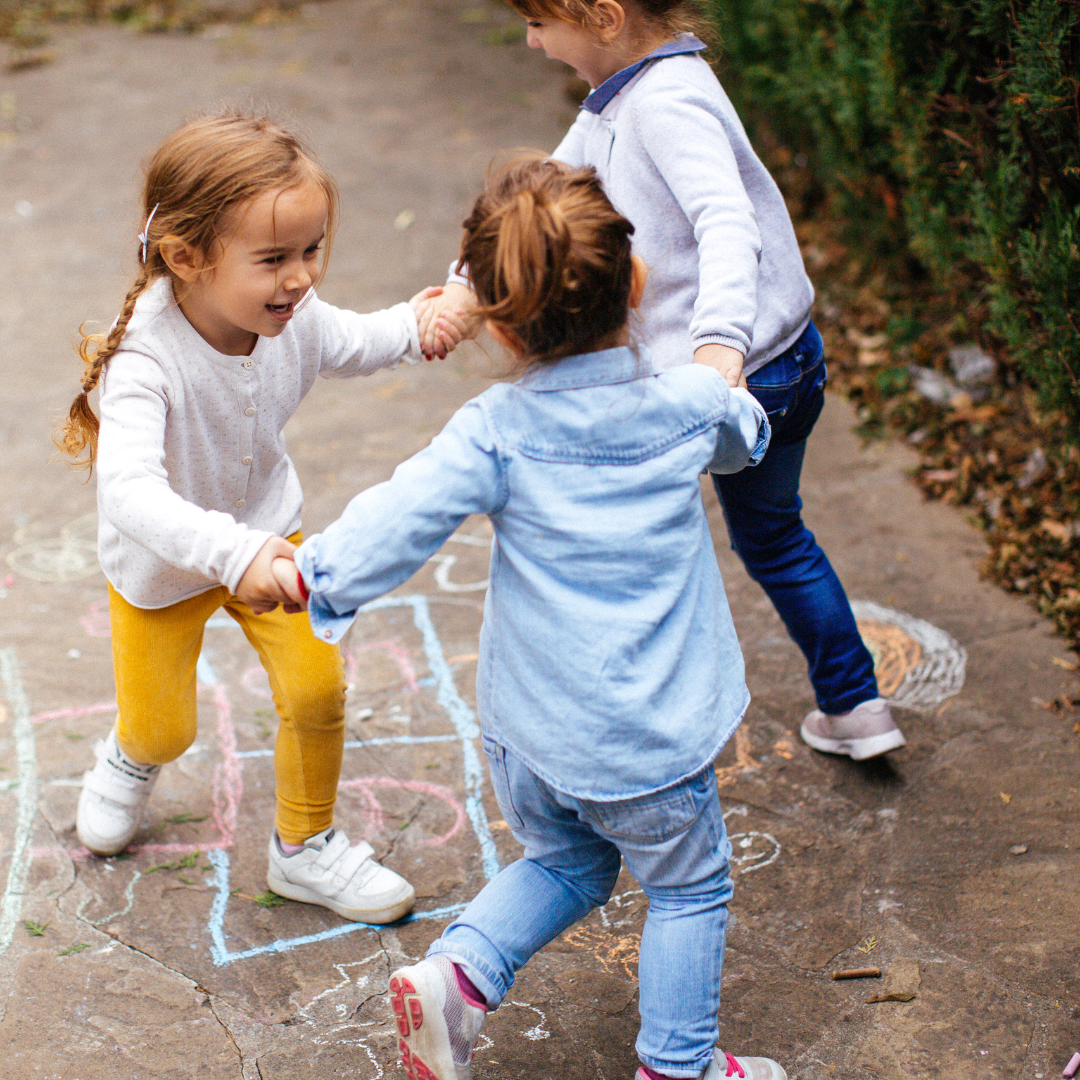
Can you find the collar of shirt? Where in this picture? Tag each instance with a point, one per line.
(623, 364)
(601, 97)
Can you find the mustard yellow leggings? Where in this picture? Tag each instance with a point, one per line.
(154, 657)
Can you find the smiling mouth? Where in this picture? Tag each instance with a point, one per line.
(280, 311)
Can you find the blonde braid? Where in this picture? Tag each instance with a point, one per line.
(79, 431)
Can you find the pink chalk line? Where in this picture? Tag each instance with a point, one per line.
(375, 821)
(96, 620)
(70, 714)
(228, 788)
(397, 652)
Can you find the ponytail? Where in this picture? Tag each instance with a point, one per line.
(549, 258)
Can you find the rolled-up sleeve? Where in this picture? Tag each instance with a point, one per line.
(743, 438)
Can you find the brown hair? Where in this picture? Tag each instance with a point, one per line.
(195, 179)
(669, 16)
(549, 258)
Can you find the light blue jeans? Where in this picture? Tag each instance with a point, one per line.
(675, 844)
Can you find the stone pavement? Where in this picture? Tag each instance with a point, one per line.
(952, 866)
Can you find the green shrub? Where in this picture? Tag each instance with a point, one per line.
(948, 130)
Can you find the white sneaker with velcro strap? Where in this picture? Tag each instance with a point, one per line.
(347, 880)
(114, 796)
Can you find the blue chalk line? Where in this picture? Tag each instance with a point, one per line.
(466, 728)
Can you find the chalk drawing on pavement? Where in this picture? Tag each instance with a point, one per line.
(70, 556)
(917, 665)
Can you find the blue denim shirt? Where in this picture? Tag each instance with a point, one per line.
(608, 658)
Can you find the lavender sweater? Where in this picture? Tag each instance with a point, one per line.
(710, 222)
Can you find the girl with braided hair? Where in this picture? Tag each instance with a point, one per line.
(610, 676)
(218, 340)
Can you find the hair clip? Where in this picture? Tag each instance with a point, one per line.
(144, 236)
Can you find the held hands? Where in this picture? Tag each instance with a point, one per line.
(444, 314)
(259, 587)
(288, 578)
(724, 359)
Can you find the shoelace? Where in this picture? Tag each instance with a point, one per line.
(733, 1067)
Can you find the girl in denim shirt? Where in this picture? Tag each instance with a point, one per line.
(727, 288)
(610, 676)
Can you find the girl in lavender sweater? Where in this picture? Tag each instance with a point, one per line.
(727, 288)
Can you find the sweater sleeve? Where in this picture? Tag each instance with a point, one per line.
(680, 130)
(356, 344)
(133, 482)
(389, 531)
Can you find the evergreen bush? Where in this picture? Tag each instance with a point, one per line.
(946, 129)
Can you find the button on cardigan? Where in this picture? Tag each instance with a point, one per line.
(193, 477)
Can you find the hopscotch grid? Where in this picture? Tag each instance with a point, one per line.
(226, 774)
(466, 729)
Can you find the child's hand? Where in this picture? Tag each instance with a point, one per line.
(445, 318)
(258, 587)
(287, 576)
(724, 359)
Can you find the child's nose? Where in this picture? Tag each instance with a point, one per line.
(297, 278)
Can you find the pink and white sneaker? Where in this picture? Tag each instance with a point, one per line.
(864, 732)
(438, 1027)
(729, 1066)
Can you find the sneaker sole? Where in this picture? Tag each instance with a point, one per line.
(102, 850)
(388, 913)
(424, 1048)
(856, 749)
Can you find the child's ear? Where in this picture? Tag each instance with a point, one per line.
(506, 338)
(639, 273)
(181, 258)
(608, 19)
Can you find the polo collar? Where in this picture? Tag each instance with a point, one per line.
(601, 97)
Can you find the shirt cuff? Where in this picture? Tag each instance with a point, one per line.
(326, 624)
(720, 339)
(454, 278)
(764, 432)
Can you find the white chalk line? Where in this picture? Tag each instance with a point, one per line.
(129, 896)
(26, 754)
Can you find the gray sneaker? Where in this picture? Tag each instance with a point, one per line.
(728, 1065)
(864, 732)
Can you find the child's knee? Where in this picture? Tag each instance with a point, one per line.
(316, 708)
(155, 744)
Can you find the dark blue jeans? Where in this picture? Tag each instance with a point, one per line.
(763, 512)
